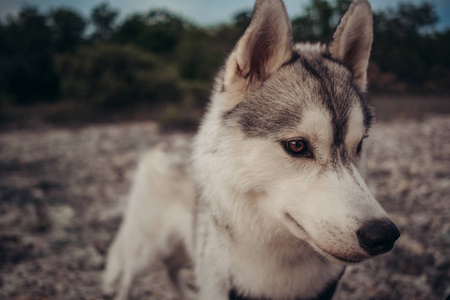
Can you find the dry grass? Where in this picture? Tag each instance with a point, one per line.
(417, 107)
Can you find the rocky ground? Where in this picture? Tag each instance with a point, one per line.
(61, 195)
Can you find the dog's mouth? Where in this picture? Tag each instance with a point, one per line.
(329, 254)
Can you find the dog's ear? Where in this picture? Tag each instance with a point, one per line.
(265, 46)
(352, 40)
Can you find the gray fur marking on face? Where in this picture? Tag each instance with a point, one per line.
(278, 104)
(312, 80)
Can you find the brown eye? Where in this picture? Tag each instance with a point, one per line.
(297, 148)
(359, 148)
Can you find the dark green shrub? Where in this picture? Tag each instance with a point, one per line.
(26, 66)
(112, 76)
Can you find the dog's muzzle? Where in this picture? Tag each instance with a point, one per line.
(378, 236)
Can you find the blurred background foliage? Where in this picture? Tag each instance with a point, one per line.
(158, 60)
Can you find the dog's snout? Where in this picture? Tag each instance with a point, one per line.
(378, 236)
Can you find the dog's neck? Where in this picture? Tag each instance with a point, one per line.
(309, 275)
(264, 254)
(326, 294)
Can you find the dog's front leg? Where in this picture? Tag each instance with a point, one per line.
(212, 262)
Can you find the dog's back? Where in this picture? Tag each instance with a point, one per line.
(157, 225)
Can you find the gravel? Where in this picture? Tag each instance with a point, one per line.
(62, 192)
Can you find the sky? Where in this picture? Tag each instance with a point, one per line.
(202, 12)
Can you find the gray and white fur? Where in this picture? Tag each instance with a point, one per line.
(270, 204)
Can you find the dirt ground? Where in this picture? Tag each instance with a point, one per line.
(62, 191)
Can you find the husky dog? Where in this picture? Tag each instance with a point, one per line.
(271, 205)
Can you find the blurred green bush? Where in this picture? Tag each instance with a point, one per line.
(105, 76)
(160, 59)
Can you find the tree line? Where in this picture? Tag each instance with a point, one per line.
(158, 56)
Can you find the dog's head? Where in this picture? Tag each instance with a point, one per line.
(286, 125)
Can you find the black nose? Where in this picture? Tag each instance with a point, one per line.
(378, 236)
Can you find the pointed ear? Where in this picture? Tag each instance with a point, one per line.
(265, 46)
(352, 40)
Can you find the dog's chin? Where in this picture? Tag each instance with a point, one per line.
(333, 256)
(345, 259)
